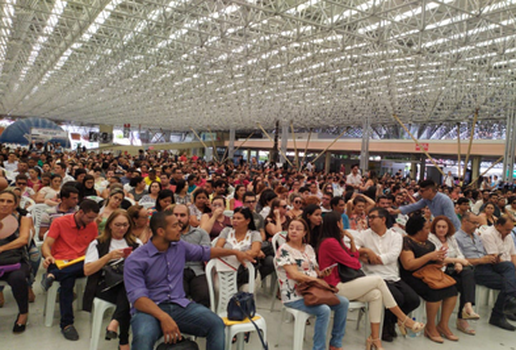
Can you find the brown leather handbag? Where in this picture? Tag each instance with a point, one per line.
(317, 293)
(434, 277)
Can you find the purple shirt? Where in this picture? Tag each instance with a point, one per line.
(159, 275)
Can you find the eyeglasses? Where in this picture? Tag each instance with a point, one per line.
(372, 217)
(250, 202)
(473, 223)
(21, 184)
(298, 202)
(121, 225)
(284, 206)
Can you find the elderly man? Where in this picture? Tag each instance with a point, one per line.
(490, 271)
(380, 249)
(153, 277)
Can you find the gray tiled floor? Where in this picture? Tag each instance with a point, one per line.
(280, 333)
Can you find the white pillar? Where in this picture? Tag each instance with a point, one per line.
(284, 141)
(231, 147)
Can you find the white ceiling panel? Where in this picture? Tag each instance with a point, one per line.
(232, 63)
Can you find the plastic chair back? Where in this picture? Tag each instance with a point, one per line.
(227, 284)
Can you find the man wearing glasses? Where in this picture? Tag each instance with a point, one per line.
(249, 200)
(21, 183)
(379, 249)
(490, 270)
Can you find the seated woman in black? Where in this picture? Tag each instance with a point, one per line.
(14, 265)
(114, 244)
(417, 253)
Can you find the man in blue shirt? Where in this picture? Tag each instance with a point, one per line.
(153, 277)
(438, 203)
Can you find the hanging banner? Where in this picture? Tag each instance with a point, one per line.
(43, 135)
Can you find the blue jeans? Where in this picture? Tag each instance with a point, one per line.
(195, 319)
(322, 314)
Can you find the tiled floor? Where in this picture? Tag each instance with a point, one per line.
(280, 334)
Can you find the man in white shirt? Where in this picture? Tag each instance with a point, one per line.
(354, 179)
(60, 169)
(448, 180)
(380, 249)
(11, 165)
(497, 240)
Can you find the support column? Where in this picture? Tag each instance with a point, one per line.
(413, 168)
(249, 156)
(423, 168)
(475, 167)
(284, 141)
(231, 147)
(510, 145)
(364, 151)
(108, 129)
(327, 162)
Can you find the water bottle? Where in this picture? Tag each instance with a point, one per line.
(410, 333)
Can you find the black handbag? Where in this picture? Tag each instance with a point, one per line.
(11, 256)
(113, 275)
(347, 274)
(242, 306)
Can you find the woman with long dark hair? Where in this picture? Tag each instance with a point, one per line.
(370, 289)
(417, 253)
(312, 214)
(242, 236)
(296, 263)
(199, 206)
(277, 220)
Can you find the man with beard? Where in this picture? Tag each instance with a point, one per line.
(194, 278)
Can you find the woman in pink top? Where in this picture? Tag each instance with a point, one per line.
(236, 201)
(371, 289)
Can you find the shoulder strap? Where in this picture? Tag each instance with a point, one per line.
(103, 248)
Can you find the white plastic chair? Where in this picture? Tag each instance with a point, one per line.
(227, 288)
(300, 318)
(37, 211)
(277, 240)
(99, 309)
(50, 302)
(485, 296)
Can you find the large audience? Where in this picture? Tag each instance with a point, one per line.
(157, 217)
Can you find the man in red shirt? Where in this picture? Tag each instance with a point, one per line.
(68, 238)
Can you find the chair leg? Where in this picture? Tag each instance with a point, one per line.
(96, 328)
(299, 332)
(50, 304)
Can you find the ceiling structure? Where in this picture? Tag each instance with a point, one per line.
(220, 64)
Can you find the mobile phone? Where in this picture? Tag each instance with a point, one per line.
(330, 267)
(128, 251)
(500, 254)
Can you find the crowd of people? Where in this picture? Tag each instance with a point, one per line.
(161, 216)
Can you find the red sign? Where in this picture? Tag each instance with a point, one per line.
(423, 145)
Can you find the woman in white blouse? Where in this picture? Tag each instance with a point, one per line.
(114, 244)
(296, 263)
(455, 265)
